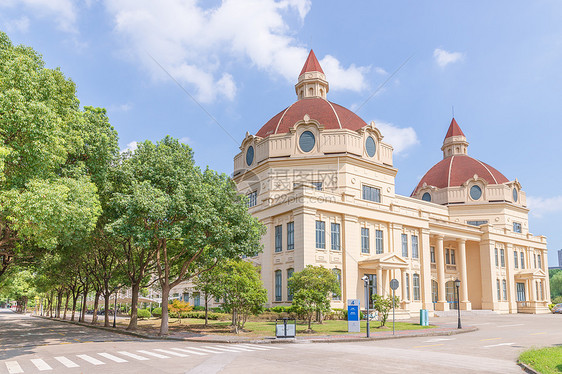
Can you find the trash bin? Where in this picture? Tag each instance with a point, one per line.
(424, 317)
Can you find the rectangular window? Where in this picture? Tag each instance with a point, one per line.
(278, 285)
(453, 259)
(365, 240)
(516, 227)
(290, 236)
(415, 252)
(496, 256)
(278, 238)
(535, 260)
(502, 257)
(542, 290)
(537, 287)
(404, 245)
(337, 273)
(504, 286)
(476, 223)
(335, 231)
(379, 242)
(447, 256)
(321, 234)
(408, 286)
(317, 185)
(539, 260)
(252, 199)
(522, 260)
(416, 281)
(197, 299)
(498, 289)
(289, 292)
(516, 259)
(432, 254)
(372, 194)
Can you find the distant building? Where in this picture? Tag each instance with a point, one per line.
(560, 258)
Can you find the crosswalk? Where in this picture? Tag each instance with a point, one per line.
(102, 358)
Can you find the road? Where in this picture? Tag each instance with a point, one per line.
(32, 345)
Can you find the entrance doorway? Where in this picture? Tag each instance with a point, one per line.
(451, 295)
(521, 292)
(434, 292)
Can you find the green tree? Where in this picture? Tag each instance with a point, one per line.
(178, 307)
(311, 288)
(556, 285)
(383, 305)
(209, 284)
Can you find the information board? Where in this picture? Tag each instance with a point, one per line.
(353, 313)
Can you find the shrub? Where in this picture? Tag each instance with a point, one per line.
(199, 307)
(144, 313)
(217, 310)
(157, 312)
(557, 300)
(200, 315)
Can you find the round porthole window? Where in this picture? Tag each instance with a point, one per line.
(475, 192)
(250, 155)
(515, 195)
(370, 146)
(307, 141)
(426, 196)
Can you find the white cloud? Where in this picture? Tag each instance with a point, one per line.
(400, 138)
(17, 25)
(543, 205)
(444, 58)
(130, 147)
(63, 12)
(380, 71)
(186, 140)
(199, 46)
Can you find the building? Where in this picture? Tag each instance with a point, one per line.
(323, 183)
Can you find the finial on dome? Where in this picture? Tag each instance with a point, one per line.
(455, 142)
(312, 81)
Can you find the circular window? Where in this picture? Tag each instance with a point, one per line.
(307, 141)
(370, 146)
(426, 196)
(515, 195)
(250, 155)
(475, 192)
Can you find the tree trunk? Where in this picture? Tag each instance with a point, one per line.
(310, 321)
(106, 297)
(134, 300)
(84, 305)
(206, 310)
(59, 302)
(66, 304)
(74, 299)
(96, 304)
(164, 321)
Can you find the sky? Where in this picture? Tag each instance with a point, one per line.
(207, 72)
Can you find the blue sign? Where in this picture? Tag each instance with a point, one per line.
(353, 313)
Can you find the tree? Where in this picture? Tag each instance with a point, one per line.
(178, 307)
(242, 290)
(209, 284)
(311, 288)
(556, 285)
(188, 220)
(383, 305)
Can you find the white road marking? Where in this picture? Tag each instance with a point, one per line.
(205, 350)
(170, 352)
(189, 351)
(517, 324)
(269, 346)
(157, 355)
(480, 324)
(66, 362)
(91, 360)
(132, 355)
(438, 340)
(40, 364)
(253, 347)
(13, 367)
(111, 357)
(246, 349)
(220, 349)
(497, 345)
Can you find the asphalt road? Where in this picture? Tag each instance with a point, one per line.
(33, 345)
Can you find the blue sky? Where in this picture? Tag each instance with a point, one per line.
(498, 63)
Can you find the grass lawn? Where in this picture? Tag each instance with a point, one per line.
(266, 328)
(544, 360)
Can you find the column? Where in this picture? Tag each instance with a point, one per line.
(464, 303)
(425, 258)
(488, 270)
(510, 278)
(440, 259)
(352, 285)
(404, 297)
(267, 259)
(379, 282)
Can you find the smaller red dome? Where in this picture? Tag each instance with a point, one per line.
(328, 114)
(455, 170)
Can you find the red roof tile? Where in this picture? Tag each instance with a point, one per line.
(311, 64)
(454, 130)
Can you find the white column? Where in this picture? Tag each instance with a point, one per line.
(464, 303)
(440, 259)
(379, 282)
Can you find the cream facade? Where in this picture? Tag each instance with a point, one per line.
(323, 183)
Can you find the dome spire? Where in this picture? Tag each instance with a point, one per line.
(312, 81)
(455, 142)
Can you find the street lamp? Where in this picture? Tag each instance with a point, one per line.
(115, 306)
(366, 280)
(458, 284)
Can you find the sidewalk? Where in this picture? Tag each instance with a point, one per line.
(440, 330)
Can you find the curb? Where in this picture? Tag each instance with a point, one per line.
(526, 368)
(269, 341)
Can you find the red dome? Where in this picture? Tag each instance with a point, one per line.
(328, 114)
(455, 170)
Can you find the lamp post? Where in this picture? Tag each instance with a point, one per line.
(366, 280)
(115, 307)
(458, 284)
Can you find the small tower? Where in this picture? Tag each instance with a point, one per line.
(455, 143)
(312, 81)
